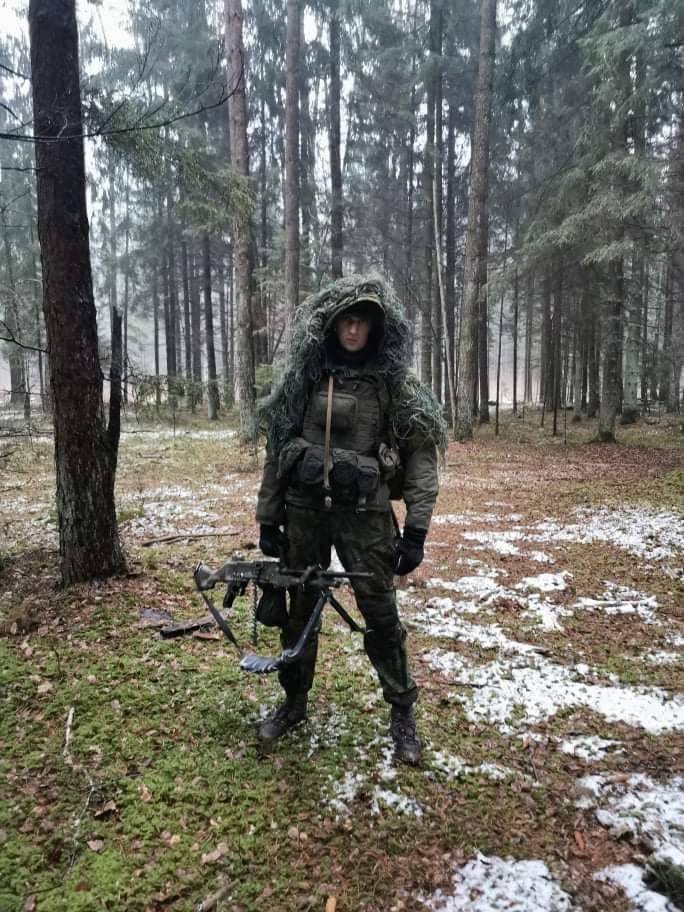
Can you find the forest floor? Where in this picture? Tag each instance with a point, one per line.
(545, 631)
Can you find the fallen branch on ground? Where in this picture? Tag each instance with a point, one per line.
(188, 537)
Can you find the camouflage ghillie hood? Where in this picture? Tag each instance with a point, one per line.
(415, 413)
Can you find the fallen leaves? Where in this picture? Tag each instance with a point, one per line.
(218, 853)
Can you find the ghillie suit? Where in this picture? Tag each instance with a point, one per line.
(346, 430)
(416, 414)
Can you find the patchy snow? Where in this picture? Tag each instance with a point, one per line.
(491, 884)
(655, 535)
(499, 541)
(545, 582)
(479, 586)
(466, 519)
(630, 878)
(453, 767)
(396, 801)
(651, 813)
(621, 600)
(142, 436)
(541, 557)
(545, 612)
(589, 747)
(661, 657)
(528, 689)
(439, 617)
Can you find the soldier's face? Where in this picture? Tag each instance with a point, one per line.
(352, 333)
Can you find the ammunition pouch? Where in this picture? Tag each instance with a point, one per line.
(272, 607)
(352, 476)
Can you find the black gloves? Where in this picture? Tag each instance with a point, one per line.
(272, 541)
(409, 550)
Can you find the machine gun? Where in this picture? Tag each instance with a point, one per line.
(238, 574)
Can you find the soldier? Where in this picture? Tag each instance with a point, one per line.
(347, 428)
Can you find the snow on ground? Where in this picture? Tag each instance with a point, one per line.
(650, 813)
(655, 535)
(499, 541)
(453, 767)
(590, 747)
(491, 884)
(527, 689)
(143, 436)
(630, 878)
(618, 599)
(545, 582)
(341, 795)
(440, 617)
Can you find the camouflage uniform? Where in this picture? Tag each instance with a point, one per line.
(357, 518)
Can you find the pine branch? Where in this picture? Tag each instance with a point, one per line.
(158, 125)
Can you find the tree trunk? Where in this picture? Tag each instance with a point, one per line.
(155, 329)
(213, 399)
(630, 404)
(240, 160)
(85, 448)
(610, 388)
(187, 325)
(477, 221)
(436, 322)
(292, 64)
(196, 329)
(334, 93)
(516, 321)
(223, 329)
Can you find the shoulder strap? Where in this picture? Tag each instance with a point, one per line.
(326, 450)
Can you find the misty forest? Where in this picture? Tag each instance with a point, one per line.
(176, 180)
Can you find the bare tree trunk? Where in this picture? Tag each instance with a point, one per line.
(529, 314)
(610, 389)
(155, 319)
(213, 399)
(516, 322)
(437, 321)
(196, 329)
(630, 405)
(240, 160)
(477, 221)
(334, 93)
(223, 328)
(187, 324)
(85, 448)
(292, 157)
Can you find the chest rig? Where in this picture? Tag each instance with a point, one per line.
(359, 405)
(336, 456)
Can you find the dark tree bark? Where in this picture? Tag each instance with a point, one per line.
(196, 330)
(240, 160)
(213, 398)
(292, 65)
(85, 447)
(610, 388)
(334, 92)
(223, 328)
(187, 326)
(477, 221)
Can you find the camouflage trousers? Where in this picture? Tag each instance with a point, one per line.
(364, 542)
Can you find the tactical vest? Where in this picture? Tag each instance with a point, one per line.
(359, 422)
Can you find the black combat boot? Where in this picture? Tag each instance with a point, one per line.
(407, 744)
(286, 716)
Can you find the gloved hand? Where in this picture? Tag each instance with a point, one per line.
(272, 541)
(409, 552)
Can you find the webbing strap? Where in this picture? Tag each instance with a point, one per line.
(328, 429)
